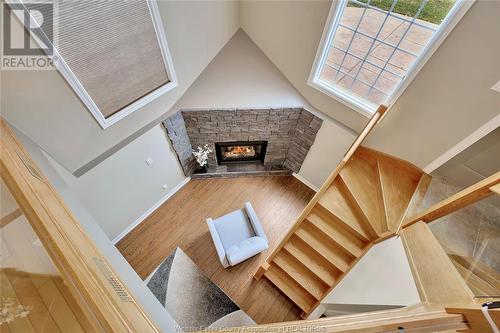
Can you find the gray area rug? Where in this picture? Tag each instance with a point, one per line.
(192, 299)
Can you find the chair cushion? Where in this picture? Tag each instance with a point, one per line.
(233, 228)
(245, 249)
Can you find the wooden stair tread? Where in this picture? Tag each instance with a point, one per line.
(436, 277)
(362, 179)
(301, 274)
(315, 262)
(334, 201)
(339, 235)
(398, 186)
(290, 288)
(320, 244)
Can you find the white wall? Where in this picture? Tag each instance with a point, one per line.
(41, 104)
(156, 312)
(474, 163)
(330, 146)
(382, 277)
(123, 187)
(242, 76)
(448, 100)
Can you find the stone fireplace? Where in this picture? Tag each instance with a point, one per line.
(257, 141)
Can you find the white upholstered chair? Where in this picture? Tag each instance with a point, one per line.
(237, 236)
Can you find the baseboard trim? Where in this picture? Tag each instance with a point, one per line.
(306, 182)
(150, 210)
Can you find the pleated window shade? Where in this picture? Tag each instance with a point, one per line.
(112, 49)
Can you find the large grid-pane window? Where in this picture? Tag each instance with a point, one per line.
(114, 54)
(372, 46)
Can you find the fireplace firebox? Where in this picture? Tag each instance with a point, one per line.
(240, 152)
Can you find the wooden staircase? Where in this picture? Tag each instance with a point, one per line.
(366, 201)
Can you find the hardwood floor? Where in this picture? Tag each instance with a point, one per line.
(181, 222)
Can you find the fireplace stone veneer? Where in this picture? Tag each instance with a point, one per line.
(289, 132)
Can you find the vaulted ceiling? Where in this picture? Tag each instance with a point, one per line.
(449, 99)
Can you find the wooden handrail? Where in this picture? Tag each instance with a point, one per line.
(369, 126)
(495, 188)
(466, 197)
(105, 301)
(421, 318)
(374, 120)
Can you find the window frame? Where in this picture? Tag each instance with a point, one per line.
(367, 109)
(73, 81)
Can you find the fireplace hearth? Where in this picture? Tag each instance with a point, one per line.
(240, 152)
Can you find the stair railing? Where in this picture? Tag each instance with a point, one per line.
(105, 300)
(466, 197)
(374, 120)
(421, 318)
